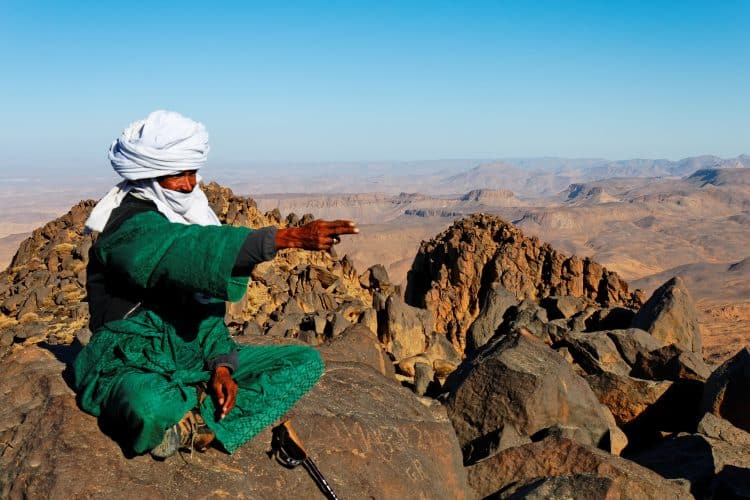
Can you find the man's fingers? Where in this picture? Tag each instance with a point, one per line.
(216, 388)
(345, 227)
(231, 393)
(230, 401)
(339, 227)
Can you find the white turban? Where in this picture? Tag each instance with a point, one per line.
(164, 143)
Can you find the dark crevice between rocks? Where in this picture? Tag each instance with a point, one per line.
(684, 457)
(417, 282)
(482, 447)
(646, 429)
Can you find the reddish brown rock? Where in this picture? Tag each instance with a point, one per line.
(670, 363)
(562, 457)
(573, 486)
(595, 352)
(451, 273)
(626, 397)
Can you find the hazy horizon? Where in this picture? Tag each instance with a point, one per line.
(103, 171)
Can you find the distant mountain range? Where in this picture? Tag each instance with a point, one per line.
(526, 178)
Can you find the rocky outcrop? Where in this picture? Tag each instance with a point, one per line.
(670, 316)
(452, 273)
(368, 435)
(237, 210)
(43, 289)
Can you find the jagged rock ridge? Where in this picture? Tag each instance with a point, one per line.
(451, 274)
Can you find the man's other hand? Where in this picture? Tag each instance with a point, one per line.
(315, 235)
(224, 390)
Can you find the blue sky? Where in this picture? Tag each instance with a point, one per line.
(338, 81)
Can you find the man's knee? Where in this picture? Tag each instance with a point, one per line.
(146, 400)
(307, 361)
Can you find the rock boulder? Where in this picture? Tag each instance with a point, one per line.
(727, 389)
(518, 381)
(670, 316)
(552, 457)
(368, 435)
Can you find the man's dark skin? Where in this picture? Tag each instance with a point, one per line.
(315, 235)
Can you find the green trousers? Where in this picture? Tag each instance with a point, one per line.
(270, 379)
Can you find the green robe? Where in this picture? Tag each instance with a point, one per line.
(138, 373)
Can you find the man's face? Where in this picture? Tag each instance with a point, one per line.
(184, 182)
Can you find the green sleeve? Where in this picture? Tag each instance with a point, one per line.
(153, 252)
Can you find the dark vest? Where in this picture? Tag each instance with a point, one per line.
(110, 295)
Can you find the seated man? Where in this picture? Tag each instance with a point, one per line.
(158, 277)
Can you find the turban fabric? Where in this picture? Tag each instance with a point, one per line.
(164, 143)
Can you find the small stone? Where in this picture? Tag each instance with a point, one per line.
(320, 322)
(308, 337)
(406, 365)
(292, 307)
(252, 328)
(12, 303)
(369, 318)
(423, 375)
(563, 307)
(443, 368)
(83, 336)
(6, 338)
(338, 324)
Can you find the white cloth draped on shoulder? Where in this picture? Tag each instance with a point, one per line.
(164, 143)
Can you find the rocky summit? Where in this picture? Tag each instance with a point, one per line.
(452, 274)
(506, 369)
